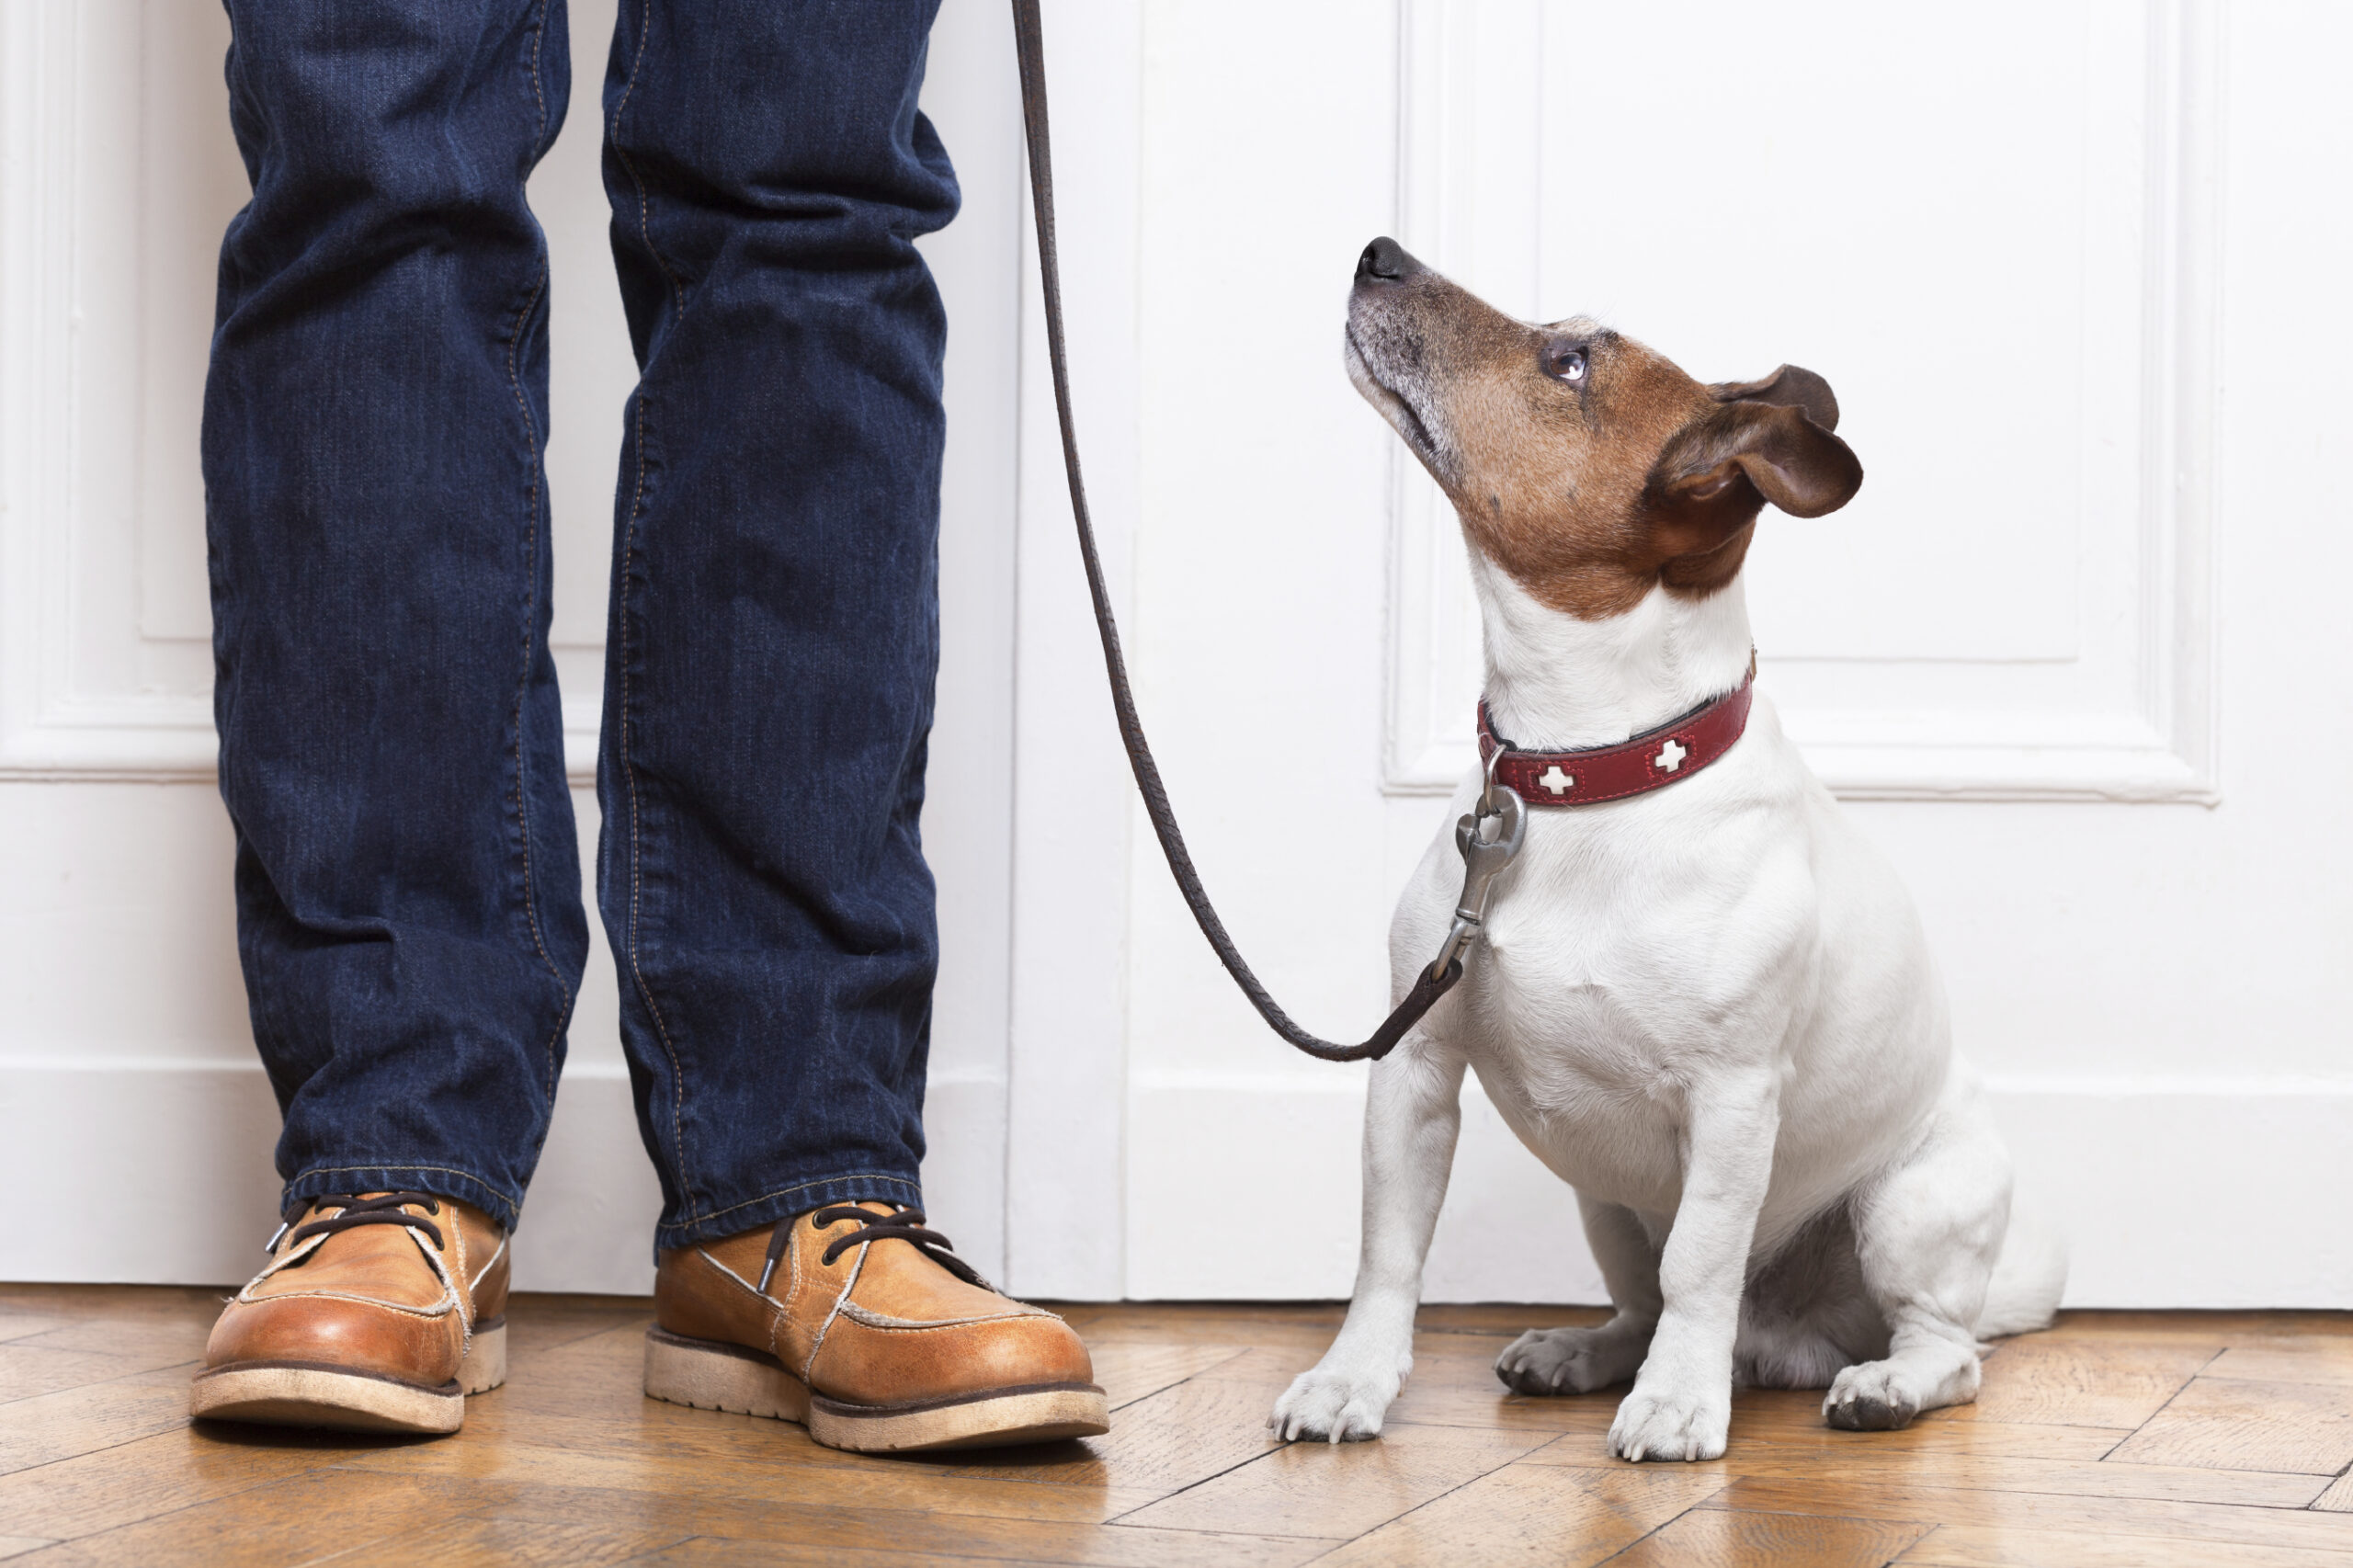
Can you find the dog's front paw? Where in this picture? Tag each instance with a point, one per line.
(1570, 1361)
(1334, 1402)
(1872, 1397)
(1665, 1424)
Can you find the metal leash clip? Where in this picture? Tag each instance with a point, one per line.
(1489, 835)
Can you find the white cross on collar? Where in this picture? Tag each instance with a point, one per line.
(1670, 756)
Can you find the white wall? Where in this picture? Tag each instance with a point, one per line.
(2074, 270)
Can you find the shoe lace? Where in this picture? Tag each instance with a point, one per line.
(901, 1225)
(384, 1209)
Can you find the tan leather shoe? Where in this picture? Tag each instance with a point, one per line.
(860, 1324)
(376, 1313)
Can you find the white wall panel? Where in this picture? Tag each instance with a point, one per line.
(1997, 229)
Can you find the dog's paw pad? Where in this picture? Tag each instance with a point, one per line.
(1332, 1406)
(1870, 1398)
(1569, 1361)
(1670, 1426)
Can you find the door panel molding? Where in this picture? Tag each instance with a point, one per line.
(2114, 701)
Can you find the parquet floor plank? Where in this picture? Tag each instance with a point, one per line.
(2242, 1424)
(884, 1522)
(15, 1545)
(2287, 1359)
(2338, 1498)
(1129, 1371)
(299, 1520)
(2066, 1478)
(2042, 1511)
(151, 1339)
(716, 1551)
(16, 1325)
(512, 1543)
(1338, 1490)
(751, 1475)
(2087, 1380)
(1523, 1515)
(58, 1425)
(1975, 1545)
(1734, 1538)
(171, 1469)
(27, 1371)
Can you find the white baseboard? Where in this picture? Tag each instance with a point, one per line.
(158, 1172)
(2176, 1192)
(2182, 1192)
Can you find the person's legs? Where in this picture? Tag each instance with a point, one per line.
(774, 627)
(391, 745)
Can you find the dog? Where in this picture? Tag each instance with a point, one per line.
(1708, 1006)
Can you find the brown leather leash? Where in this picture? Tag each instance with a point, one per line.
(1485, 850)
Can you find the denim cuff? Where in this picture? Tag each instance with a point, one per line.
(441, 1182)
(785, 1203)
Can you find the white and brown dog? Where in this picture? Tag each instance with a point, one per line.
(1710, 1006)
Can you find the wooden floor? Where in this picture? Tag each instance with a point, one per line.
(2118, 1440)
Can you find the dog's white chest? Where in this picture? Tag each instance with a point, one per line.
(1601, 992)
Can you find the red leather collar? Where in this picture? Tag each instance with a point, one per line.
(1652, 760)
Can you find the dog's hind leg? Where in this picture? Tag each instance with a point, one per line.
(1413, 1114)
(1927, 1234)
(1579, 1360)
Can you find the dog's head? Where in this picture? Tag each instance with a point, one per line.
(1585, 464)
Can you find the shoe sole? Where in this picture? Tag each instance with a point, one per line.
(337, 1399)
(710, 1374)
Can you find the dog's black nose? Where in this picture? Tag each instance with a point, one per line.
(1386, 260)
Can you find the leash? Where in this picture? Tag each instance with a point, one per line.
(1488, 836)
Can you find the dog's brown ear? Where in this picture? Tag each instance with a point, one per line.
(1709, 468)
(1789, 387)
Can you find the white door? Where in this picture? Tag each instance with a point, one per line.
(2070, 657)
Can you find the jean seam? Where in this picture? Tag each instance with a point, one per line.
(798, 1187)
(622, 589)
(538, 93)
(489, 1186)
(612, 136)
(636, 874)
(523, 686)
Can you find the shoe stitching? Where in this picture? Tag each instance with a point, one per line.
(807, 1367)
(451, 1278)
(873, 1319)
(777, 1317)
(749, 1289)
(881, 1319)
(441, 1309)
(792, 1251)
(493, 1262)
(450, 1295)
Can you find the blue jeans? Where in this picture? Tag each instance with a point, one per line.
(408, 876)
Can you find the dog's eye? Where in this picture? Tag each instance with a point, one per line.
(1565, 363)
